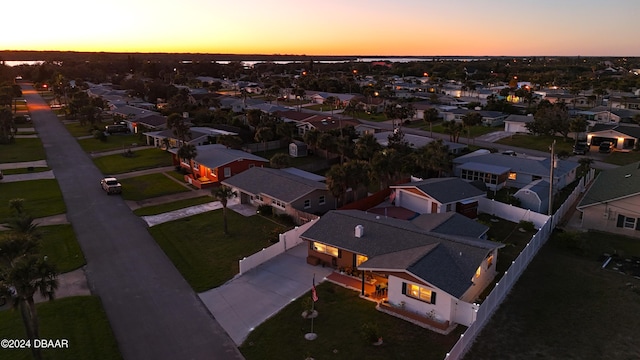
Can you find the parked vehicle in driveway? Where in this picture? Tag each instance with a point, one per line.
(580, 148)
(605, 147)
(111, 185)
(115, 129)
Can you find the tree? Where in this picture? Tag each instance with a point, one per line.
(366, 147)
(224, 194)
(454, 129)
(357, 175)
(337, 182)
(433, 157)
(472, 118)
(578, 125)
(550, 119)
(430, 116)
(188, 152)
(280, 160)
(311, 138)
(230, 141)
(6, 126)
(263, 135)
(176, 123)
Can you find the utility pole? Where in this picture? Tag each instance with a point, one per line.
(553, 165)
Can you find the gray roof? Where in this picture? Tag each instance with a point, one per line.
(447, 262)
(630, 130)
(612, 185)
(445, 190)
(540, 187)
(519, 118)
(216, 155)
(277, 184)
(519, 164)
(450, 223)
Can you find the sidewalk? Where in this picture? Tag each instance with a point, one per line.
(28, 176)
(23, 165)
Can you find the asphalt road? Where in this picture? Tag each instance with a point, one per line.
(152, 310)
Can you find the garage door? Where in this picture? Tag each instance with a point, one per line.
(596, 140)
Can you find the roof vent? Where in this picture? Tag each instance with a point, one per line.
(359, 231)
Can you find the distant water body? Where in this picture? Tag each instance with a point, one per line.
(283, 62)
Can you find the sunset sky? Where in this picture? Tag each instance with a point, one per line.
(330, 27)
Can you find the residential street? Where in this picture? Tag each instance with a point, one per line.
(152, 310)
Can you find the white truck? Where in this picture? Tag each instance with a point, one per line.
(111, 185)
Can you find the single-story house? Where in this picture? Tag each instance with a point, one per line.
(500, 170)
(287, 192)
(199, 136)
(489, 118)
(424, 273)
(624, 137)
(215, 163)
(612, 203)
(324, 123)
(534, 196)
(438, 195)
(517, 123)
(417, 141)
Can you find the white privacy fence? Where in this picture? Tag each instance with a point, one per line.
(502, 288)
(510, 212)
(287, 240)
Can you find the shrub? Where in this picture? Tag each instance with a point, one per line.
(97, 134)
(265, 210)
(527, 225)
(370, 332)
(286, 219)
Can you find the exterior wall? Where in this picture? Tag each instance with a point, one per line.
(515, 127)
(442, 307)
(314, 197)
(530, 200)
(487, 274)
(217, 174)
(414, 202)
(604, 217)
(345, 258)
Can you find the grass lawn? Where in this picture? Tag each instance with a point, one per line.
(77, 130)
(41, 197)
(114, 142)
(22, 150)
(79, 319)
(622, 158)
(540, 143)
(176, 175)
(60, 245)
(141, 159)
(377, 117)
(341, 315)
(149, 186)
(565, 306)
(203, 254)
(25, 170)
(180, 204)
(506, 232)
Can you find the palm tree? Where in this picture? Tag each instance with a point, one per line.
(22, 274)
(430, 116)
(470, 119)
(337, 182)
(188, 152)
(366, 147)
(223, 194)
(357, 175)
(578, 125)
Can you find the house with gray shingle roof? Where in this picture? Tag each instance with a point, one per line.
(517, 123)
(534, 196)
(424, 272)
(500, 170)
(451, 223)
(286, 192)
(612, 203)
(624, 137)
(215, 163)
(438, 195)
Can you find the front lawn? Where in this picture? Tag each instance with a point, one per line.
(138, 160)
(149, 186)
(59, 244)
(113, 142)
(80, 320)
(180, 204)
(565, 306)
(22, 150)
(622, 158)
(41, 197)
(341, 316)
(538, 142)
(206, 257)
(77, 130)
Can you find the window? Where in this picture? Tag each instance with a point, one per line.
(227, 172)
(628, 222)
(326, 249)
(512, 176)
(360, 259)
(307, 204)
(419, 292)
(321, 200)
(489, 260)
(259, 197)
(478, 271)
(278, 203)
(251, 165)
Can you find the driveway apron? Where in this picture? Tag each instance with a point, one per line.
(152, 310)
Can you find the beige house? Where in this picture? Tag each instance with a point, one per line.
(612, 203)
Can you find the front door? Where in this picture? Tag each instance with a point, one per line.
(434, 207)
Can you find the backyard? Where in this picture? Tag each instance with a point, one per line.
(203, 254)
(565, 306)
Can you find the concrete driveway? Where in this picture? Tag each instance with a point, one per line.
(247, 301)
